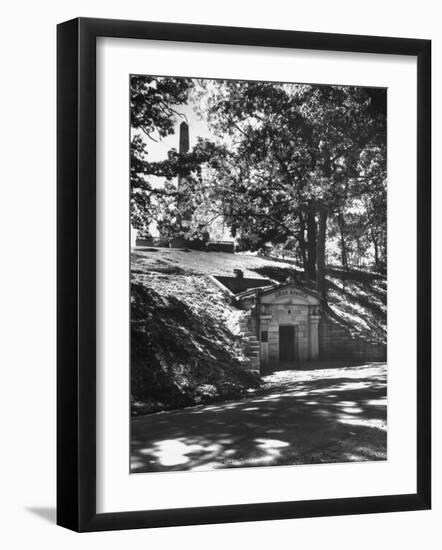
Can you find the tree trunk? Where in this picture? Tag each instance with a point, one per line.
(376, 249)
(311, 244)
(343, 245)
(358, 253)
(322, 233)
(320, 252)
(302, 245)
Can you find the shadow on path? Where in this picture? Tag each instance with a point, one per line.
(298, 417)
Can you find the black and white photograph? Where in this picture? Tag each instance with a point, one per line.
(258, 274)
(219, 250)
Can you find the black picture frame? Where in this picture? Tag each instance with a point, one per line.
(76, 273)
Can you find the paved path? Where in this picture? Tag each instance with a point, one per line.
(297, 417)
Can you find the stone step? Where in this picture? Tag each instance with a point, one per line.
(250, 344)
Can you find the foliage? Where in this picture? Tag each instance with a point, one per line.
(299, 156)
(299, 168)
(153, 109)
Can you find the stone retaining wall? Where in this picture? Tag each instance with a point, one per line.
(337, 342)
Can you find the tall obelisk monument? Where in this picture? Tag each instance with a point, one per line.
(181, 185)
(184, 137)
(183, 146)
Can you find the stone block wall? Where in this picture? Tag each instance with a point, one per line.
(250, 344)
(337, 342)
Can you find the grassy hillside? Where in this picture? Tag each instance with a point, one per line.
(185, 345)
(195, 262)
